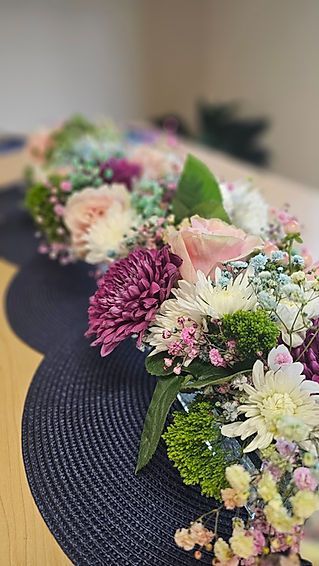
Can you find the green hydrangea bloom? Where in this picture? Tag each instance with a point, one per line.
(253, 331)
(186, 439)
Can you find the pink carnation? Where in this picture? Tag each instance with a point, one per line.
(129, 295)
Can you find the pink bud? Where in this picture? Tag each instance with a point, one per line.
(292, 227)
(65, 186)
(59, 209)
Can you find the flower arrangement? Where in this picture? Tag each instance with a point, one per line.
(229, 319)
(95, 199)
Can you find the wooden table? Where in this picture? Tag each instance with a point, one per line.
(24, 538)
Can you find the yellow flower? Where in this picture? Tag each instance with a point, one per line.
(304, 504)
(277, 515)
(238, 478)
(222, 551)
(242, 544)
(267, 488)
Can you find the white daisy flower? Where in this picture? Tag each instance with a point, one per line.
(273, 396)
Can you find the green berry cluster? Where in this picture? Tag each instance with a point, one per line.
(147, 199)
(186, 439)
(254, 332)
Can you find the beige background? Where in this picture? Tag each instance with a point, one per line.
(134, 58)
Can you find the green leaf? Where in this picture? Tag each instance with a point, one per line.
(206, 374)
(155, 365)
(164, 395)
(202, 382)
(198, 193)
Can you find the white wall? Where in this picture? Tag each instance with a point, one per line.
(61, 56)
(135, 58)
(264, 53)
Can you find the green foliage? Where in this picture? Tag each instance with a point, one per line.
(64, 138)
(253, 331)
(198, 193)
(164, 395)
(38, 203)
(186, 441)
(200, 373)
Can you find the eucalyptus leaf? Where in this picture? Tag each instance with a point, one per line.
(164, 395)
(198, 193)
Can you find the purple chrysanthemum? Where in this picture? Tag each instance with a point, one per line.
(119, 170)
(129, 295)
(308, 353)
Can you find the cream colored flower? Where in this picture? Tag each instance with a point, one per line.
(271, 397)
(222, 551)
(105, 237)
(304, 504)
(215, 300)
(267, 487)
(245, 206)
(238, 477)
(183, 539)
(233, 498)
(242, 543)
(277, 515)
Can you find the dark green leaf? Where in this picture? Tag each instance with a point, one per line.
(202, 381)
(164, 395)
(198, 193)
(155, 365)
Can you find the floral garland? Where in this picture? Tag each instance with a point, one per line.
(229, 316)
(96, 196)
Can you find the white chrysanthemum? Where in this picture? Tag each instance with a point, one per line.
(245, 206)
(293, 317)
(215, 300)
(105, 236)
(271, 397)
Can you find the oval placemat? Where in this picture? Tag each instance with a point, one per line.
(82, 422)
(46, 301)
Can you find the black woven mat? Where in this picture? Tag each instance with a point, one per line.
(17, 241)
(46, 301)
(81, 427)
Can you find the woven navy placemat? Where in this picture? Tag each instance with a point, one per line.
(46, 301)
(17, 240)
(82, 422)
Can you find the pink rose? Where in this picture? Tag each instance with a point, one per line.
(84, 208)
(157, 163)
(206, 243)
